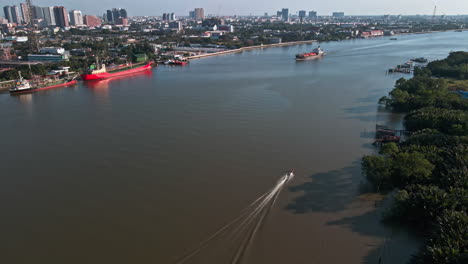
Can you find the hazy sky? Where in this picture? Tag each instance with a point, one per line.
(257, 7)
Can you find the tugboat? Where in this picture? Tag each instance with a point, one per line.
(25, 86)
(316, 53)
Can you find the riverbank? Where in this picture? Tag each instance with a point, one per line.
(296, 43)
(252, 48)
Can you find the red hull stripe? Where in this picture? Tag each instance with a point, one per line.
(106, 75)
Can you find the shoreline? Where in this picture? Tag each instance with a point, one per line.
(292, 43)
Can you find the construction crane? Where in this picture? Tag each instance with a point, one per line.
(33, 40)
(434, 14)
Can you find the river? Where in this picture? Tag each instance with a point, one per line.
(144, 168)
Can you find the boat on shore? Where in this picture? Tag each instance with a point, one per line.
(316, 53)
(419, 60)
(104, 73)
(175, 62)
(29, 86)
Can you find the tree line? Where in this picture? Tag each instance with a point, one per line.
(429, 170)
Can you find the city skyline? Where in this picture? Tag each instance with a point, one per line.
(245, 7)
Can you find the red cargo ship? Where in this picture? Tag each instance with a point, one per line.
(104, 73)
(316, 53)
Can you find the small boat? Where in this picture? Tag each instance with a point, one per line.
(393, 39)
(419, 60)
(316, 53)
(175, 62)
(25, 86)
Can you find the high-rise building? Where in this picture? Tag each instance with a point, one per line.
(279, 14)
(76, 18)
(285, 14)
(38, 12)
(172, 18)
(302, 14)
(61, 16)
(25, 10)
(8, 15)
(123, 13)
(312, 14)
(338, 14)
(49, 16)
(12, 13)
(92, 21)
(116, 13)
(192, 14)
(110, 16)
(199, 13)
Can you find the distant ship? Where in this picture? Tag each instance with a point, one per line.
(26, 86)
(116, 71)
(316, 53)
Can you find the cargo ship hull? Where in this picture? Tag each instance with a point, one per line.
(107, 75)
(36, 89)
(309, 57)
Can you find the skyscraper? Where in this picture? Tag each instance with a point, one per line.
(38, 12)
(312, 14)
(115, 14)
(61, 16)
(8, 15)
(192, 14)
(302, 14)
(285, 14)
(110, 16)
(123, 13)
(49, 16)
(172, 18)
(76, 18)
(199, 13)
(25, 10)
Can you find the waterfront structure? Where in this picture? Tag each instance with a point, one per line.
(76, 18)
(47, 57)
(92, 21)
(312, 14)
(285, 14)
(49, 16)
(338, 14)
(61, 16)
(26, 13)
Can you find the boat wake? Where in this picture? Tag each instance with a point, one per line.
(243, 229)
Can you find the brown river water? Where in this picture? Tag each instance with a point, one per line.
(143, 169)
